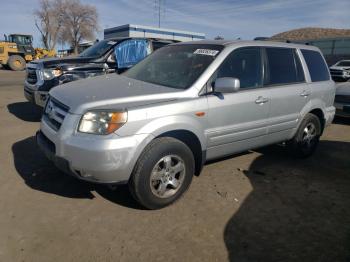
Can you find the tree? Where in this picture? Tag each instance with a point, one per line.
(79, 22)
(49, 20)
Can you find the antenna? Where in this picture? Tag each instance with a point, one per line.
(159, 8)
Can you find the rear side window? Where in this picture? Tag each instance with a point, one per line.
(283, 67)
(316, 64)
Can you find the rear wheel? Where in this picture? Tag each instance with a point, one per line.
(307, 137)
(16, 63)
(163, 173)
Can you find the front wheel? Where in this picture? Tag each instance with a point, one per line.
(307, 137)
(163, 173)
(16, 63)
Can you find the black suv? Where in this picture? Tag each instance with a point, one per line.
(106, 56)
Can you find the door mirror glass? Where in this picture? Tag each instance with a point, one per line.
(111, 59)
(226, 85)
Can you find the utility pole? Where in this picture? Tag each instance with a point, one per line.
(159, 8)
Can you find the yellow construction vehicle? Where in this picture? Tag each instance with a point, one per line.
(17, 49)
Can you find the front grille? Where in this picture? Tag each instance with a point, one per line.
(54, 113)
(342, 99)
(31, 76)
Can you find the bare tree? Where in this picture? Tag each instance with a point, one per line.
(48, 20)
(79, 22)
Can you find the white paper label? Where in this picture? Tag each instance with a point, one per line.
(206, 52)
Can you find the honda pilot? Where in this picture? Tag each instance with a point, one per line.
(154, 126)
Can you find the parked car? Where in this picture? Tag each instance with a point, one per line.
(155, 125)
(106, 56)
(342, 100)
(341, 70)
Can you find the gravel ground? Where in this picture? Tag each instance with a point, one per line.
(261, 205)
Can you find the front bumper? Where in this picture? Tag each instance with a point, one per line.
(329, 115)
(99, 159)
(342, 109)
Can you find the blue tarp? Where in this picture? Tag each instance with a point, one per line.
(130, 52)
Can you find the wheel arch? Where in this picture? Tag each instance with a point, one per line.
(192, 141)
(19, 54)
(320, 115)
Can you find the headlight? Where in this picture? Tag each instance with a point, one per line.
(48, 74)
(102, 122)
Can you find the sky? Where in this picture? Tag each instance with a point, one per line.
(231, 19)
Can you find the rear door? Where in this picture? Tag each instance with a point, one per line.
(288, 90)
(238, 121)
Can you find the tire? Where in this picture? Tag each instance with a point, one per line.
(307, 137)
(162, 173)
(16, 63)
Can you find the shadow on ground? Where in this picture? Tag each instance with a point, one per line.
(40, 174)
(25, 111)
(298, 210)
(341, 120)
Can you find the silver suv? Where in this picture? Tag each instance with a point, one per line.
(154, 126)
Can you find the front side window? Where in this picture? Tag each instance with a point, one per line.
(245, 65)
(130, 52)
(316, 64)
(283, 66)
(175, 66)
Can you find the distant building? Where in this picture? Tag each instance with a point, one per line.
(151, 32)
(334, 43)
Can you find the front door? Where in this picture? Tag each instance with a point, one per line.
(238, 121)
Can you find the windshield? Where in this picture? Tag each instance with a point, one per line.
(344, 63)
(177, 66)
(21, 39)
(98, 49)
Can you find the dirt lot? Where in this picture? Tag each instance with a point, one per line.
(256, 206)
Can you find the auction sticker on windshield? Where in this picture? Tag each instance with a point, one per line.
(206, 52)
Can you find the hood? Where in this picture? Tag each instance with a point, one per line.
(343, 89)
(111, 91)
(340, 67)
(64, 62)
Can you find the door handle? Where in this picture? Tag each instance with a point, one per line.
(305, 93)
(261, 100)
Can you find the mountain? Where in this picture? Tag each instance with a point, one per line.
(309, 33)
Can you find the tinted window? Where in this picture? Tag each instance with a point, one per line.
(283, 66)
(157, 45)
(244, 64)
(317, 66)
(98, 49)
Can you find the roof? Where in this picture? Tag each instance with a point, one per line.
(160, 29)
(128, 37)
(311, 33)
(248, 43)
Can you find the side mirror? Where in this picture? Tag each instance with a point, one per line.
(111, 58)
(226, 85)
